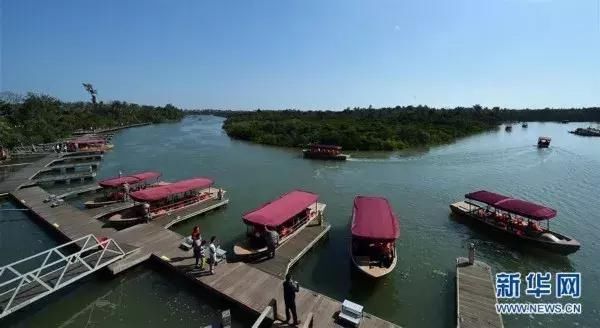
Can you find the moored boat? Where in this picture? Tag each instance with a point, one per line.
(514, 218)
(374, 230)
(286, 215)
(115, 189)
(188, 196)
(544, 142)
(87, 143)
(319, 151)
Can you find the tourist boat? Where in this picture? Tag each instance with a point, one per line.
(374, 230)
(185, 196)
(508, 128)
(113, 189)
(524, 125)
(544, 142)
(287, 215)
(318, 151)
(515, 218)
(87, 143)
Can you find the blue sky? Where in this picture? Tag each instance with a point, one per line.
(307, 54)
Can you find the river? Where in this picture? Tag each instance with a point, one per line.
(420, 185)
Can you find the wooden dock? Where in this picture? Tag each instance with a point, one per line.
(23, 175)
(475, 296)
(289, 253)
(243, 284)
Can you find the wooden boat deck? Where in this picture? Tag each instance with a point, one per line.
(289, 253)
(99, 212)
(21, 177)
(475, 296)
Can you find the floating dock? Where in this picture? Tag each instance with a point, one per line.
(289, 253)
(475, 296)
(251, 288)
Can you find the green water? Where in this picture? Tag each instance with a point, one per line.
(419, 184)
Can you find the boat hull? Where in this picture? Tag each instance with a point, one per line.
(95, 204)
(311, 155)
(373, 271)
(564, 245)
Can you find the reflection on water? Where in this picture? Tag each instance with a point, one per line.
(419, 185)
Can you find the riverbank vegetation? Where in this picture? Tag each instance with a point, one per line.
(38, 119)
(384, 128)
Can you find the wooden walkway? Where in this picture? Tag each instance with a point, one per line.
(15, 180)
(241, 283)
(254, 289)
(475, 296)
(289, 253)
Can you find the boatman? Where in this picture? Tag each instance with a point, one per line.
(271, 239)
(147, 212)
(290, 288)
(220, 194)
(126, 191)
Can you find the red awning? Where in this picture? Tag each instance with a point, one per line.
(281, 209)
(130, 179)
(486, 197)
(373, 218)
(162, 192)
(325, 146)
(520, 207)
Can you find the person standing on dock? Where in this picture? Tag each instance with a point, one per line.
(196, 233)
(197, 246)
(290, 288)
(271, 239)
(125, 192)
(212, 255)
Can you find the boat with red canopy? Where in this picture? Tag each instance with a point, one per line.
(320, 151)
(286, 215)
(88, 143)
(516, 218)
(374, 229)
(115, 189)
(186, 196)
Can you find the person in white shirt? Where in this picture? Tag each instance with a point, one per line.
(212, 254)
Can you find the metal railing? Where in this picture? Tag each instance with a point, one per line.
(44, 273)
(269, 309)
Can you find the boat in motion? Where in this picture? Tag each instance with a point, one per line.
(116, 189)
(544, 142)
(320, 151)
(187, 196)
(374, 230)
(286, 215)
(515, 218)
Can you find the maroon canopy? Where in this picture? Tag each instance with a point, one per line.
(526, 209)
(130, 179)
(373, 218)
(486, 197)
(516, 206)
(325, 146)
(281, 209)
(162, 192)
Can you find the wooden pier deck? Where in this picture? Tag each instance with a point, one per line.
(15, 180)
(475, 296)
(289, 253)
(243, 284)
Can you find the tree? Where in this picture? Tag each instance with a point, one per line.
(93, 92)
